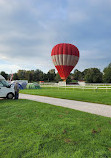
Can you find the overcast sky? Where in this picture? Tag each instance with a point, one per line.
(29, 29)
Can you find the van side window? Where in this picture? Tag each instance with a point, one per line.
(1, 84)
(4, 83)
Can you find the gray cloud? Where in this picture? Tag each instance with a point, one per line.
(30, 29)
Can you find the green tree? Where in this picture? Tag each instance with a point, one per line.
(84, 73)
(30, 77)
(38, 75)
(45, 77)
(15, 76)
(51, 75)
(107, 74)
(52, 71)
(57, 77)
(21, 74)
(5, 75)
(93, 75)
(68, 80)
(78, 75)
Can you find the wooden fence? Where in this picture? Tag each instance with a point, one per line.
(89, 86)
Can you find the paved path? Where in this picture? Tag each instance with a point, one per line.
(99, 109)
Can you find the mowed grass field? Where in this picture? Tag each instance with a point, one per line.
(99, 96)
(31, 129)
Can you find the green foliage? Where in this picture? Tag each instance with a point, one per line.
(90, 75)
(38, 75)
(51, 75)
(31, 75)
(57, 78)
(68, 79)
(21, 74)
(5, 75)
(84, 73)
(15, 76)
(52, 71)
(78, 75)
(93, 75)
(107, 74)
(36, 130)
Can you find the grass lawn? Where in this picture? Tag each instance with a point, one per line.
(101, 96)
(31, 129)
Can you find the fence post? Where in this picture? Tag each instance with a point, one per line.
(96, 89)
(106, 88)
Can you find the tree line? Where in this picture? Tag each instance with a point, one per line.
(90, 75)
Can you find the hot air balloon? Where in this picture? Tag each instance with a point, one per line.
(65, 57)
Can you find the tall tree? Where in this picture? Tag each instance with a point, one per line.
(57, 77)
(15, 76)
(52, 71)
(51, 75)
(68, 80)
(107, 74)
(78, 75)
(5, 75)
(30, 77)
(21, 74)
(38, 75)
(93, 75)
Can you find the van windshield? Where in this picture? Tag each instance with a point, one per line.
(4, 83)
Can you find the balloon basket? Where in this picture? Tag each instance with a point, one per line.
(64, 80)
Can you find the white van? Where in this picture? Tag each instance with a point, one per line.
(6, 90)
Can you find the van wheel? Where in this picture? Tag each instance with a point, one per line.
(10, 96)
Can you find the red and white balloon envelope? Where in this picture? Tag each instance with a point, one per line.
(65, 57)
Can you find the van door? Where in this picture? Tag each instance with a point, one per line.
(3, 90)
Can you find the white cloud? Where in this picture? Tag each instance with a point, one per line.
(8, 68)
(4, 48)
(29, 30)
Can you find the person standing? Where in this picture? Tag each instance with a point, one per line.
(16, 88)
